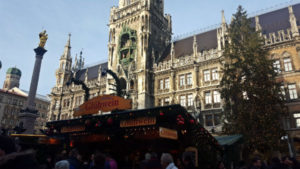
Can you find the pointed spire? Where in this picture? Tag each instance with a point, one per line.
(86, 75)
(75, 66)
(67, 51)
(153, 57)
(222, 32)
(224, 24)
(99, 73)
(76, 61)
(195, 46)
(223, 18)
(172, 52)
(100, 69)
(121, 3)
(293, 22)
(81, 61)
(69, 41)
(257, 24)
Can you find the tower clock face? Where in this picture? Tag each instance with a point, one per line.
(127, 46)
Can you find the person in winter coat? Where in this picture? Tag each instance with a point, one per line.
(167, 161)
(188, 162)
(63, 164)
(73, 160)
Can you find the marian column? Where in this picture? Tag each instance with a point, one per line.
(28, 116)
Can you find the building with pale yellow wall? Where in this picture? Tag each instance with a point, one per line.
(155, 70)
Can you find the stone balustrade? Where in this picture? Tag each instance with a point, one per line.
(278, 37)
(127, 10)
(187, 60)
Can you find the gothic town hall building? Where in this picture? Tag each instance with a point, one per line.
(156, 71)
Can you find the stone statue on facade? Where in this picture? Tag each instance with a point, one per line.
(43, 39)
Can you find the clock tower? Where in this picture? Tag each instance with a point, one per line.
(139, 32)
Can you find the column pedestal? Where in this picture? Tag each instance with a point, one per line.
(27, 120)
(28, 116)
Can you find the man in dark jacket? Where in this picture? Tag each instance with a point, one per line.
(256, 163)
(188, 162)
(287, 163)
(74, 159)
(11, 159)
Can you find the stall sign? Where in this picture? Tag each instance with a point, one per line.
(69, 129)
(103, 103)
(168, 133)
(142, 121)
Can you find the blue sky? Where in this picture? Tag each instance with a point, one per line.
(86, 20)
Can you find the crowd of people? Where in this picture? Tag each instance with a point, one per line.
(275, 163)
(13, 156)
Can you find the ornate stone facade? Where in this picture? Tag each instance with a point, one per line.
(156, 71)
(12, 101)
(139, 33)
(66, 96)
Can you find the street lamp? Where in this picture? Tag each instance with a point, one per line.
(287, 138)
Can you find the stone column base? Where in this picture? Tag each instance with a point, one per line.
(28, 120)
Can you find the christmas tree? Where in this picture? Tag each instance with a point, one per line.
(254, 104)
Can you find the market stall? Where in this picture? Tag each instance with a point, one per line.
(131, 133)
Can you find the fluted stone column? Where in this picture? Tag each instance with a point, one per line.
(28, 116)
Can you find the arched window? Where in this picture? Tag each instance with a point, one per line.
(128, 2)
(61, 81)
(287, 61)
(131, 84)
(123, 83)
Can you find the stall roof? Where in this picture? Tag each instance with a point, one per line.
(228, 140)
(131, 122)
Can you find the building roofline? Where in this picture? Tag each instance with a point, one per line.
(250, 15)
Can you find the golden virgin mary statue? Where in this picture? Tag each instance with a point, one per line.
(43, 39)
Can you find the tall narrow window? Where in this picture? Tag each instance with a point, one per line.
(190, 100)
(131, 84)
(189, 79)
(161, 84)
(182, 100)
(206, 75)
(276, 65)
(56, 104)
(207, 98)
(282, 91)
(65, 103)
(181, 80)
(209, 120)
(297, 118)
(167, 101)
(287, 64)
(78, 100)
(217, 119)
(297, 122)
(215, 74)
(292, 91)
(61, 81)
(217, 98)
(161, 102)
(167, 83)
